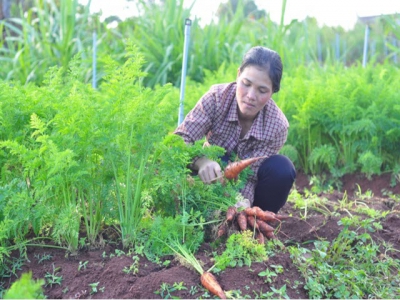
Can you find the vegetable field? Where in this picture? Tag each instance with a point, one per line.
(96, 200)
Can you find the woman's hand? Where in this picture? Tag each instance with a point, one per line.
(209, 171)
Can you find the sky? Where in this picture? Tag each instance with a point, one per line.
(327, 12)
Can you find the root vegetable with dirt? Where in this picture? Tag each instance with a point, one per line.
(252, 217)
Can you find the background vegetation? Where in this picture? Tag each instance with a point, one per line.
(101, 156)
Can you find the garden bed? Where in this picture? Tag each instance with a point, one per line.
(99, 273)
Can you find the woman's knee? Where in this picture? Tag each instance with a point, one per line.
(277, 167)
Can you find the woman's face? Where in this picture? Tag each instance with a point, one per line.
(254, 89)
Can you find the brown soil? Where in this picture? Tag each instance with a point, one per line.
(114, 283)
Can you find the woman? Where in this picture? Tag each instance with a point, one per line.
(242, 118)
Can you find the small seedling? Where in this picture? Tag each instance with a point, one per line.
(93, 286)
(166, 289)
(119, 253)
(82, 242)
(193, 290)
(166, 263)
(82, 265)
(53, 278)
(268, 275)
(134, 267)
(44, 257)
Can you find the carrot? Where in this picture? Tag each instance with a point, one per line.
(222, 230)
(264, 215)
(242, 220)
(230, 213)
(233, 169)
(264, 227)
(252, 222)
(271, 235)
(209, 281)
(260, 237)
(250, 211)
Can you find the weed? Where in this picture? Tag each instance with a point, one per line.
(53, 278)
(352, 266)
(134, 267)
(269, 276)
(44, 257)
(82, 265)
(309, 202)
(119, 252)
(93, 287)
(166, 289)
(25, 288)
(280, 292)
(193, 290)
(241, 249)
(236, 294)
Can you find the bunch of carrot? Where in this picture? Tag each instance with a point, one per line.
(252, 217)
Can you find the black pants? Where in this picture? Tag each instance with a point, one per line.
(275, 179)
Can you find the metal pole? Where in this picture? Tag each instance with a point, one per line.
(94, 60)
(337, 48)
(365, 46)
(188, 23)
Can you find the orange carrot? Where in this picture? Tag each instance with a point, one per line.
(264, 215)
(242, 220)
(252, 222)
(260, 237)
(230, 213)
(222, 230)
(271, 235)
(209, 281)
(264, 227)
(233, 169)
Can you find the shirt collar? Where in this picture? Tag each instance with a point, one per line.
(257, 128)
(233, 111)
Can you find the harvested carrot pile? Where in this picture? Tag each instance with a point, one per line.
(254, 218)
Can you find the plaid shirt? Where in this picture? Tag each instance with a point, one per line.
(216, 117)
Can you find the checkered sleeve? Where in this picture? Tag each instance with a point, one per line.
(198, 121)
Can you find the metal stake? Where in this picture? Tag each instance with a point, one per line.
(188, 23)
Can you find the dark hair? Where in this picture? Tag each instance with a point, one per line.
(267, 59)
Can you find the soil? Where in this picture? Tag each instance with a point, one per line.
(114, 283)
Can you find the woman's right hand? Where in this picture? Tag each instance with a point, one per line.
(209, 171)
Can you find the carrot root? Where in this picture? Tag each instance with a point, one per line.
(222, 230)
(230, 213)
(209, 281)
(242, 221)
(233, 170)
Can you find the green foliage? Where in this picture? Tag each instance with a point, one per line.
(352, 266)
(163, 231)
(25, 288)
(330, 130)
(241, 249)
(370, 164)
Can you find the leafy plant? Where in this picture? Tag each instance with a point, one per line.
(331, 268)
(53, 277)
(166, 289)
(134, 267)
(82, 265)
(25, 288)
(241, 249)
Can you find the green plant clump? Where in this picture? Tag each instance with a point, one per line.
(241, 249)
(352, 266)
(25, 288)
